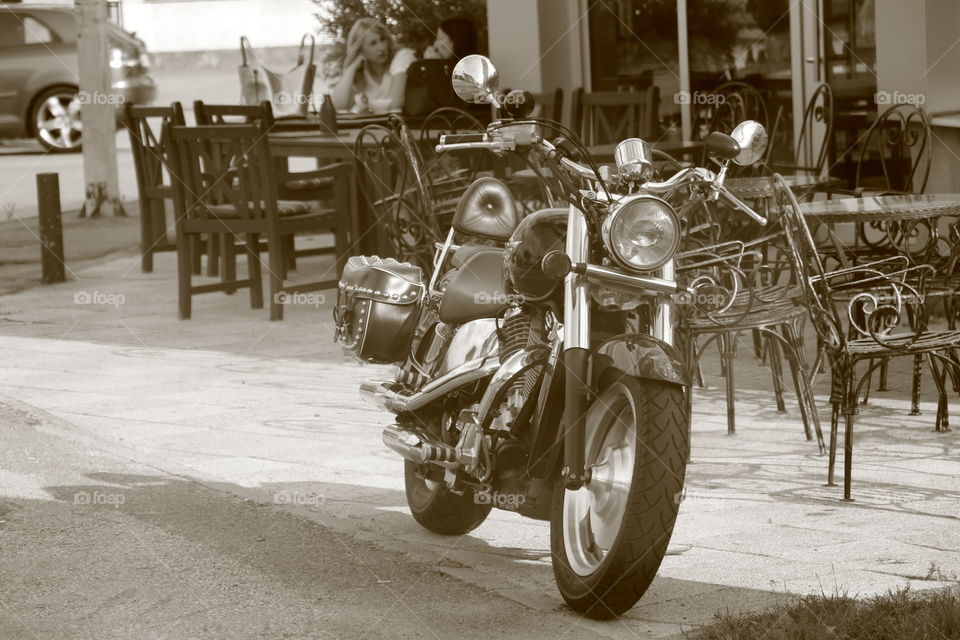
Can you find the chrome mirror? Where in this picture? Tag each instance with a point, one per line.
(475, 80)
(752, 138)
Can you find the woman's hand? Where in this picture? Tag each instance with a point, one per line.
(354, 66)
(343, 91)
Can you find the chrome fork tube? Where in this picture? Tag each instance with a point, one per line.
(663, 321)
(576, 344)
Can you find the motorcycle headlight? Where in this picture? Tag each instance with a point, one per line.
(641, 232)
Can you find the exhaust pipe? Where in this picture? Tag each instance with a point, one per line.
(382, 395)
(415, 447)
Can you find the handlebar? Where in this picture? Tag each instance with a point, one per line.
(502, 144)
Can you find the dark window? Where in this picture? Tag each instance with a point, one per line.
(11, 30)
(17, 31)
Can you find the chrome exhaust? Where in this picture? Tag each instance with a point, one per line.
(382, 395)
(415, 447)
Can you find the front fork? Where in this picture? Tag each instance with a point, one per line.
(576, 348)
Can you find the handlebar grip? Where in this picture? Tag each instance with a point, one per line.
(462, 138)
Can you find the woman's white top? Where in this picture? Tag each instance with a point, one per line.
(379, 92)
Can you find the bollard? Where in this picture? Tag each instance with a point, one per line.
(51, 229)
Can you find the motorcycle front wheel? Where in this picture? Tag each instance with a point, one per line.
(608, 538)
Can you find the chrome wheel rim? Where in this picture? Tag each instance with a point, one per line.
(593, 514)
(58, 121)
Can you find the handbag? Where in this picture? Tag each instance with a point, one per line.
(428, 87)
(289, 92)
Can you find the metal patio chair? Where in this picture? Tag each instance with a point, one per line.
(880, 297)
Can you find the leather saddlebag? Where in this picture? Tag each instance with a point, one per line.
(378, 301)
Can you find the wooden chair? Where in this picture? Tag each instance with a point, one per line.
(291, 186)
(301, 185)
(606, 117)
(224, 183)
(149, 161)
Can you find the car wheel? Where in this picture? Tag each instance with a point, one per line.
(56, 119)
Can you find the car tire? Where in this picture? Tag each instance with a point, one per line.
(55, 119)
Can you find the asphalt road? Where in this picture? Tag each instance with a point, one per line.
(96, 546)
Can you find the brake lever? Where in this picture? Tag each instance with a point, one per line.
(735, 202)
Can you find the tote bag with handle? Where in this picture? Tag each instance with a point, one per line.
(289, 92)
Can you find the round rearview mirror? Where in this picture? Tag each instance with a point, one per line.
(752, 138)
(475, 79)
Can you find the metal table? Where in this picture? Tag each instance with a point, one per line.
(883, 208)
(898, 218)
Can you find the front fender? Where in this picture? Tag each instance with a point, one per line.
(642, 356)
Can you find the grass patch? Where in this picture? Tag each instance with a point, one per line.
(898, 615)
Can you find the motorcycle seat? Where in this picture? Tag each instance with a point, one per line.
(487, 210)
(476, 289)
(464, 251)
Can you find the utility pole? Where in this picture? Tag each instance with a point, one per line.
(98, 112)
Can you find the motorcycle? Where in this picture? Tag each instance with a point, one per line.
(542, 376)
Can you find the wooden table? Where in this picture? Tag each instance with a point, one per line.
(327, 149)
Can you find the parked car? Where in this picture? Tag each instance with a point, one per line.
(38, 74)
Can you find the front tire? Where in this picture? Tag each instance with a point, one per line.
(437, 508)
(609, 538)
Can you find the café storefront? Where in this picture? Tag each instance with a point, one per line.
(872, 53)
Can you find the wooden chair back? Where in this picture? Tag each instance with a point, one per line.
(606, 117)
(222, 171)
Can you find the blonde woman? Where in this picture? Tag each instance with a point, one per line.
(374, 69)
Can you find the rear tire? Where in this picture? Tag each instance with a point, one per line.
(438, 509)
(608, 543)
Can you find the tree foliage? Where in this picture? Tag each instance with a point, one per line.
(413, 23)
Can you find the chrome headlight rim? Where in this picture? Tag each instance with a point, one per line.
(617, 209)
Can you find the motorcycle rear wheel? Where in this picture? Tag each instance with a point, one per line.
(437, 508)
(609, 537)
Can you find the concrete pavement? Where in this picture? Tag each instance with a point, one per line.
(270, 411)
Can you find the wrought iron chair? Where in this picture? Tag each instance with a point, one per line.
(149, 161)
(813, 143)
(895, 157)
(879, 296)
(446, 175)
(746, 286)
(225, 184)
(398, 193)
